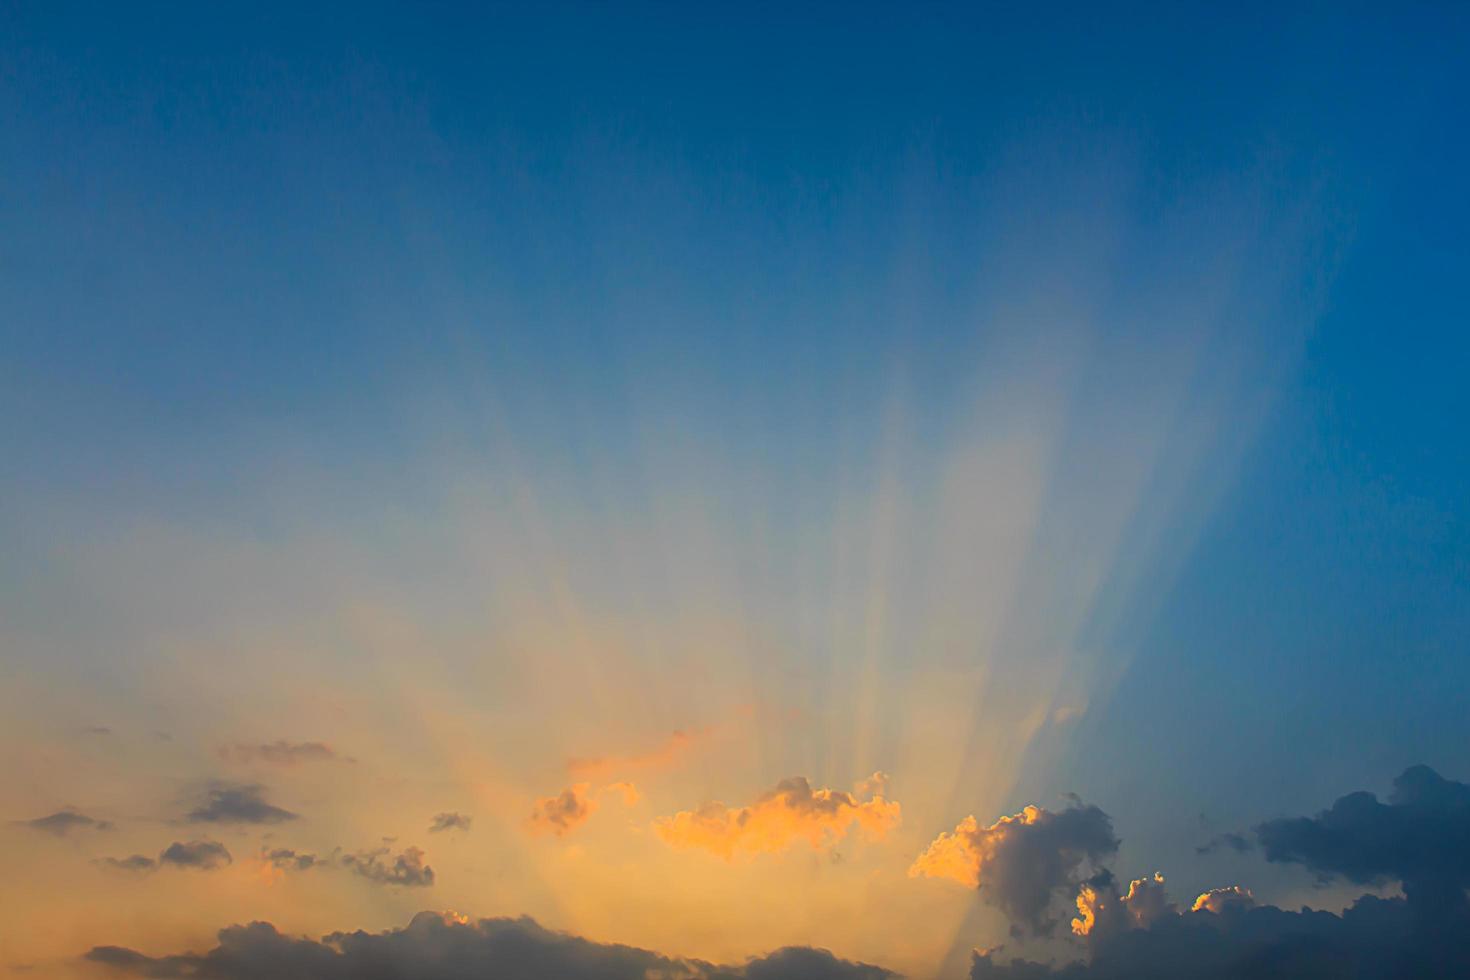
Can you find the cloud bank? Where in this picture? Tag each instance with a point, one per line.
(442, 947)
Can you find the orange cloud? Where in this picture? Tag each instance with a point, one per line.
(665, 756)
(1145, 903)
(1220, 900)
(790, 812)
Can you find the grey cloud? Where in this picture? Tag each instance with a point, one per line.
(434, 948)
(407, 868)
(137, 862)
(1023, 864)
(1420, 838)
(238, 803)
(205, 855)
(450, 821)
(288, 860)
(63, 822)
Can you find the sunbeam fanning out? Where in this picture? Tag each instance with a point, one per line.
(732, 493)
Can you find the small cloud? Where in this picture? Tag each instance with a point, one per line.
(406, 868)
(237, 803)
(285, 859)
(97, 730)
(282, 753)
(206, 855)
(63, 822)
(134, 864)
(790, 812)
(450, 821)
(563, 813)
(626, 790)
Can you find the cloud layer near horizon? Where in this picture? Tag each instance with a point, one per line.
(443, 947)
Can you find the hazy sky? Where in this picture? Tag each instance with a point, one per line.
(655, 469)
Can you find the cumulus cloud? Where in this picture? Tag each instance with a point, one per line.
(1420, 838)
(449, 821)
(1023, 863)
(1099, 910)
(63, 822)
(237, 803)
(443, 947)
(407, 868)
(202, 855)
(1221, 900)
(790, 812)
(281, 753)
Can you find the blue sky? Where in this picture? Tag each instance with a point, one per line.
(1114, 358)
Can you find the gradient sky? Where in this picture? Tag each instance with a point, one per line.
(566, 417)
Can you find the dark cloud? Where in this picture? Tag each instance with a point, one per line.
(435, 947)
(282, 753)
(450, 821)
(63, 822)
(238, 803)
(1375, 939)
(1238, 843)
(97, 730)
(406, 868)
(137, 862)
(1421, 838)
(1023, 864)
(205, 855)
(289, 860)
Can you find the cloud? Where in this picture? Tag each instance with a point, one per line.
(442, 947)
(285, 859)
(1023, 863)
(790, 812)
(1420, 838)
(1220, 900)
(563, 813)
(63, 822)
(237, 803)
(407, 868)
(449, 821)
(282, 753)
(1099, 910)
(667, 755)
(203, 854)
(134, 863)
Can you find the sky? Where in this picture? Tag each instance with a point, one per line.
(660, 490)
